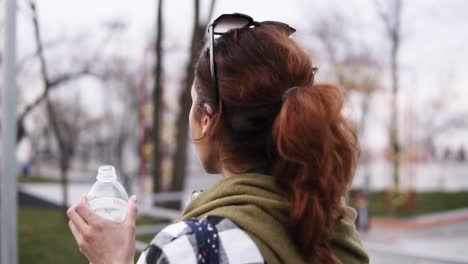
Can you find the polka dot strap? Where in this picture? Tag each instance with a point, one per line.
(207, 240)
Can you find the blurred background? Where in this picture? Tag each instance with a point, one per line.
(108, 82)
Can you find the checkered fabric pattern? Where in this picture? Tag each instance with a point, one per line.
(178, 244)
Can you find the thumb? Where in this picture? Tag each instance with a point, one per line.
(132, 209)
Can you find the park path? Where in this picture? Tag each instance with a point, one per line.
(441, 242)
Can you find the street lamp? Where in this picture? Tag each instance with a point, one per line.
(8, 198)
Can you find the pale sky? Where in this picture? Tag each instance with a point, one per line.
(434, 52)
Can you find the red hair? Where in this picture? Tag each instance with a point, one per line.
(299, 132)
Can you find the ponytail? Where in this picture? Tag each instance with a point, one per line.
(316, 156)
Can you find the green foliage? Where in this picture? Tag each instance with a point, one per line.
(145, 238)
(36, 179)
(421, 203)
(44, 237)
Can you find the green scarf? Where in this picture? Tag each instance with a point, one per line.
(261, 209)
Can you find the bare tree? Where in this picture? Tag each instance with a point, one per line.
(351, 61)
(66, 120)
(332, 33)
(157, 101)
(361, 74)
(366, 72)
(437, 119)
(390, 16)
(355, 68)
(53, 82)
(180, 157)
(40, 139)
(65, 151)
(119, 75)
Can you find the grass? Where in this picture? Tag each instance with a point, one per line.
(44, 237)
(36, 179)
(147, 221)
(422, 203)
(145, 238)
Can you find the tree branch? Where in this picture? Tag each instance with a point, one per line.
(39, 47)
(52, 83)
(384, 16)
(45, 77)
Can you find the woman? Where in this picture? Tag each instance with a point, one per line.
(286, 153)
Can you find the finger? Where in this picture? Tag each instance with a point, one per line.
(132, 209)
(85, 212)
(79, 222)
(78, 238)
(76, 233)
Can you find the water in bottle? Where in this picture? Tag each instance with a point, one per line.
(107, 197)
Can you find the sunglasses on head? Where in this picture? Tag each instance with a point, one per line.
(227, 22)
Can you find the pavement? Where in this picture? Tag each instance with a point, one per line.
(424, 221)
(439, 243)
(432, 238)
(26, 199)
(52, 192)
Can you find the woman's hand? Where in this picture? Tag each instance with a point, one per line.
(100, 240)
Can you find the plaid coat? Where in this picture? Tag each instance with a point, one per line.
(208, 240)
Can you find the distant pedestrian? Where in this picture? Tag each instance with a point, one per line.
(26, 170)
(461, 155)
(362, 220)
(447, 154)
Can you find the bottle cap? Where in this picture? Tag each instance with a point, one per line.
(106, 173)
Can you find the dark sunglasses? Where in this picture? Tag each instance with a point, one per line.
(227, 22)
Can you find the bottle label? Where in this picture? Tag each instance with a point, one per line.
(113, 209)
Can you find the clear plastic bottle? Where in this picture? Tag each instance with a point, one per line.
(107, 197)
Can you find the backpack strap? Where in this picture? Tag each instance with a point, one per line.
(207, 239)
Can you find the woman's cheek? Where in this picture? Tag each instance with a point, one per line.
(191, 121)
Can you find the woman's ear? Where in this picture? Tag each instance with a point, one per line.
(206, 119)
(208, 110)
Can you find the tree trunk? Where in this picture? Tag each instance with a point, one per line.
(391, 18)
(51, 113)
(157, 103)
(394, 126)
(180, 157)
(365, 155)
(64, 182)
(119, 152)
(63, 152)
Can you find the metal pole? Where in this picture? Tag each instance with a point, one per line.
(8, 231)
